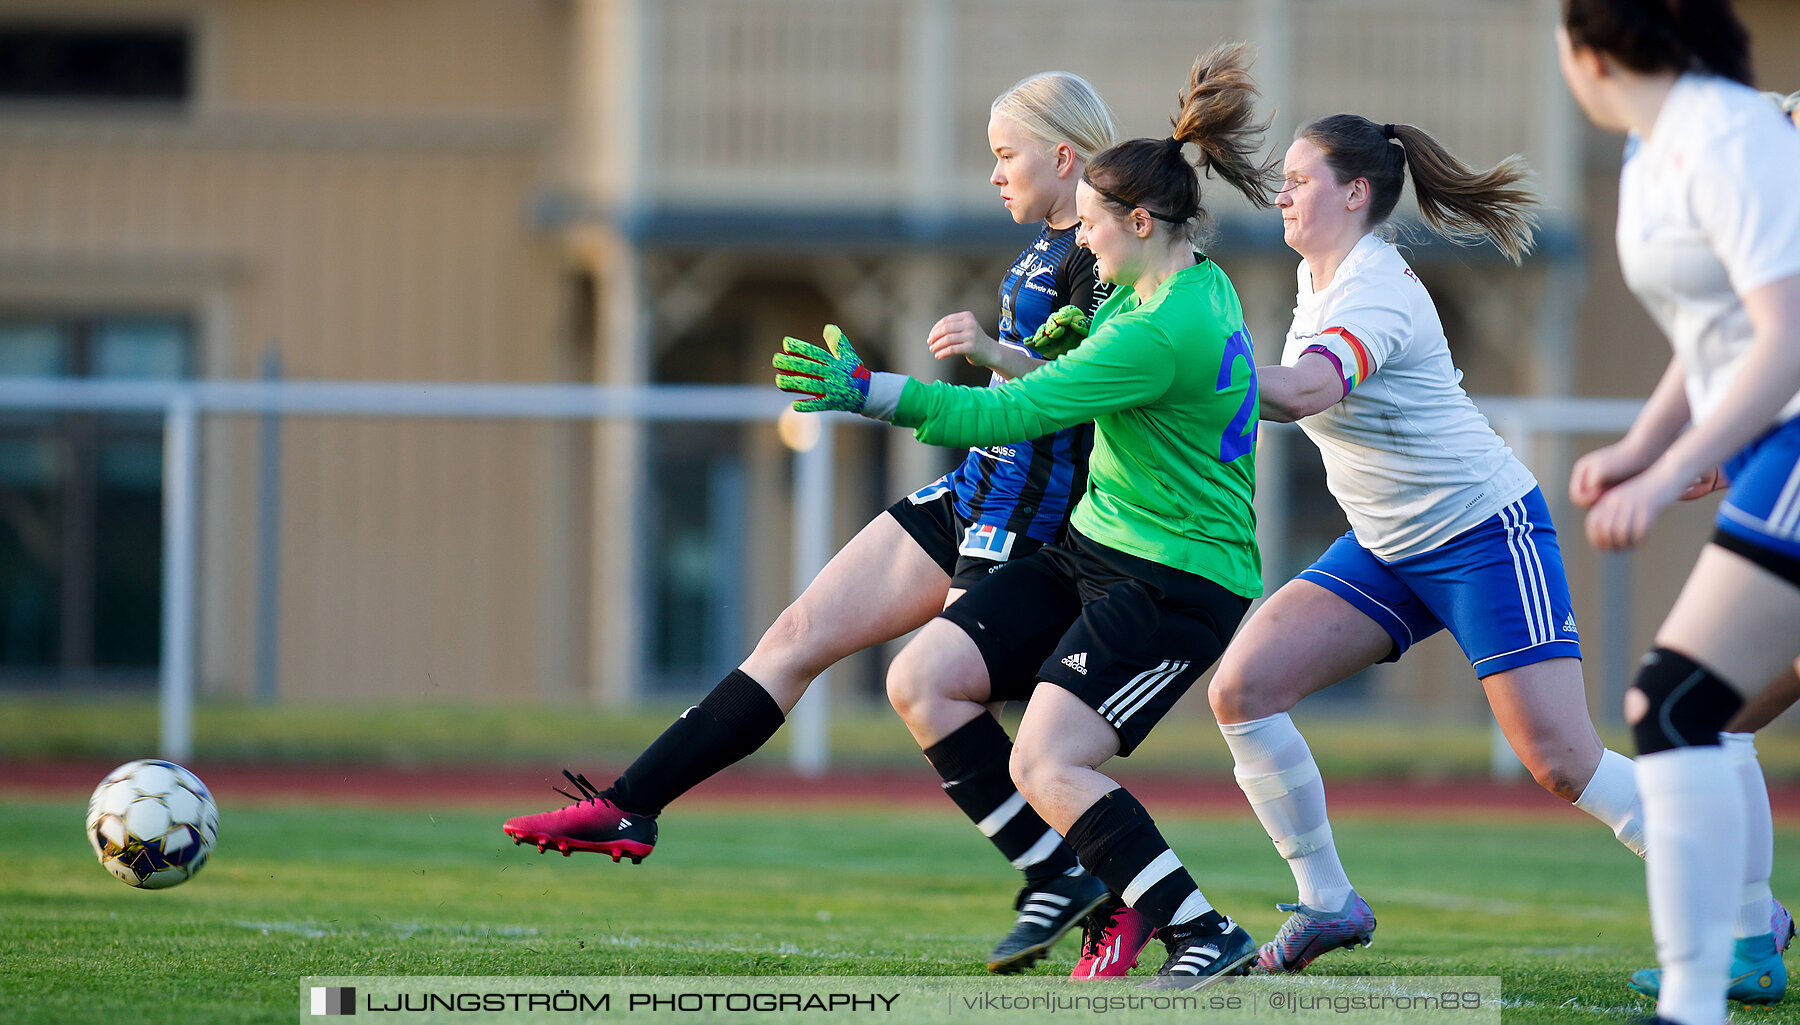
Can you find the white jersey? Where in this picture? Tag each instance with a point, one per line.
(1709, 211)
(1407, 455)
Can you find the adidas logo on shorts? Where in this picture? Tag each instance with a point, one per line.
(1569, 625)
(1077, 662)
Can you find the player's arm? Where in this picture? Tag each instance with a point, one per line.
(960, 334)
(1126, 368)
(1656, 426)
(1119, 367)
(1766, 380)
(1311, 385)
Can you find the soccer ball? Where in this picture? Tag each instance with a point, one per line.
(152, 823)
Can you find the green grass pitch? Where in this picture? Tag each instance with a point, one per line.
(1556, 909)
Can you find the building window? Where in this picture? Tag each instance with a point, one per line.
(81, 504)
(696, 553)
(95, 64)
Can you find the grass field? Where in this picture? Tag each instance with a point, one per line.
(1556, 909)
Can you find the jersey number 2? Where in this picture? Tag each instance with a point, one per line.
(1240, 434)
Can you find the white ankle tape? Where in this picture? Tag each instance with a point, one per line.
(1292, 847)
(1273, 786)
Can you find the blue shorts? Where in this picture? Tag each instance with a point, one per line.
(1498, 587)
(1763, 506)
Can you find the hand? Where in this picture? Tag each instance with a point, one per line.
(832, 378)
(1623, 515)
(960, 334)
(1600, 469)
(1060, 332)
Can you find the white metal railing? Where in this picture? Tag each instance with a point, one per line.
(182, 403)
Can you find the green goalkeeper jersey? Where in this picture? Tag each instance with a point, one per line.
(1170, 384)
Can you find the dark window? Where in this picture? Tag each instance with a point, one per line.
(100, 64)
(81, 504)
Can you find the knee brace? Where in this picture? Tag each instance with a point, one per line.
(1686, 703)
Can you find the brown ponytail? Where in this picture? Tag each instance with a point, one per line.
(1460, 203)
(1218, 114)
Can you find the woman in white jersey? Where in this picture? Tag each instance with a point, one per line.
(1757, 974)
(1448, 529)
(1709, 240)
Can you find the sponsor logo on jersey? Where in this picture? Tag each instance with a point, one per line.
(929, 492)
(986, 541)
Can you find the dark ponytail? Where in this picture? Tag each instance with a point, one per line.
(1460, 203)
(1649, 36)
(1218, 114)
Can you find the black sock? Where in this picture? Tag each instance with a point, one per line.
(1118, 842)
(735, 719)
(973, 763)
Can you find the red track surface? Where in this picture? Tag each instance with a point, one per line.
(524, 789)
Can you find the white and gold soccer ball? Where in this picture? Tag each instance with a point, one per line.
(152, 823)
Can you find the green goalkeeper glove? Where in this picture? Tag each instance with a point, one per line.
(1060, 332)
(832, 378)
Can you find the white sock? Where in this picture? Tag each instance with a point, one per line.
(1755, 903)
(1612, 797)
(1276, 771)
(1694, 819)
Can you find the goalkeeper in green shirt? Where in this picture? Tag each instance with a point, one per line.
(1101, 633)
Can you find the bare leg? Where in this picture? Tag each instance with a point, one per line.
(1762, 708)
(879, 586)
(1300, 641)
(1542, 709)
(1062, 744)
(1056, 760)
(939, 682)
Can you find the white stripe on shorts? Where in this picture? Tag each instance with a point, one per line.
(1371, 599)
(1784, 518)
(1512, 519)
(1528, 570)
(1135, 694)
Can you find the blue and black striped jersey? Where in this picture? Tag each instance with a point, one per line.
(1029, 487)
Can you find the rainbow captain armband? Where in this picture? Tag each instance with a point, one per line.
(1347, 353)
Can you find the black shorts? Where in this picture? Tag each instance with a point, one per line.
(967, 552)
(1126, 635)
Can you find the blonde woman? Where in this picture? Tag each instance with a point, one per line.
(1002, 503)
